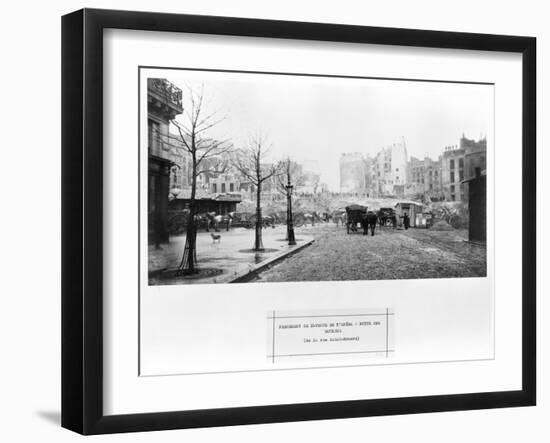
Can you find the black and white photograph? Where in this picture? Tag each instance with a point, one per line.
(347, 219)
(280, 177)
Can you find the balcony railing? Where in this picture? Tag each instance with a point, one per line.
(165, 89)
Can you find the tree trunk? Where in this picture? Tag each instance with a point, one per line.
(188, 263)
(258, 244)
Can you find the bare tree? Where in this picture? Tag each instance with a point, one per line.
(250, 162)
(291, 172)
(206, 157)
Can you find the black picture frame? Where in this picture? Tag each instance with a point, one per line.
(82, 215)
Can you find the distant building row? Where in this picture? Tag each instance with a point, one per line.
(392, 173)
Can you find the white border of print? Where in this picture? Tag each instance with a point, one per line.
(126, 392)
(198, 330)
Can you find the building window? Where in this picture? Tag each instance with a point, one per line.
(231, 187)
(461, 163)
(396, 169)
(461, 174)
(452, 164)
(174, 178)
(214, 188)
(154, 133)
(223, 187)
(452, 197)
(452, 188)
(452, 177)
(396, 178)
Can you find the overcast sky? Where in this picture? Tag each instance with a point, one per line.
(316, 119)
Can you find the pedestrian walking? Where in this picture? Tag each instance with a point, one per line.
(406, 221)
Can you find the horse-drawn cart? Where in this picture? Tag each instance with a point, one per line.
(386, 217)
(355, 215)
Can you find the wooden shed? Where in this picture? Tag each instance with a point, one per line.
(477, 207)
(412, 209)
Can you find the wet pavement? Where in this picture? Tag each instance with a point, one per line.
(390, 254)
(335, 255)
(230, 256)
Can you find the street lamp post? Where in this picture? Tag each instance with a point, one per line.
(289, 223)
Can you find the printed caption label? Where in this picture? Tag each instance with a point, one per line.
(330, 335)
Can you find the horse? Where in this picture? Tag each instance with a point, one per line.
(326, 217)
(309, 218)
(202, 221)
(339, 217)
(369, 221)
(217, 220)
(209, 219)
(227, 220)
(303, 219)
(267, 221)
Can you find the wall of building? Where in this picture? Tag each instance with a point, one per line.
(389, 171)
(164, 102)
(424, 177)
(224, 183)
(459, 163)
(352, 172)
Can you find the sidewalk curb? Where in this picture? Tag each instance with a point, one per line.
(249, 274)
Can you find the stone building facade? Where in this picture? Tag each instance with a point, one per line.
(475, 157)
(389, 170)
(391, 173)
(453, 173)
(459, 164)
(310, 178)
(164, 103)
(224, 183)
(424, 177)
(352, 172)
(180, 174)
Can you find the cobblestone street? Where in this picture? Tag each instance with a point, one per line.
(390, 254)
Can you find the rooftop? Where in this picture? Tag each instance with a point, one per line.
(201, 194)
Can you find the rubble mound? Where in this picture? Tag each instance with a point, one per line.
(442, 225)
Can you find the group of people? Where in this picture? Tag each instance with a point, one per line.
(370, 219)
